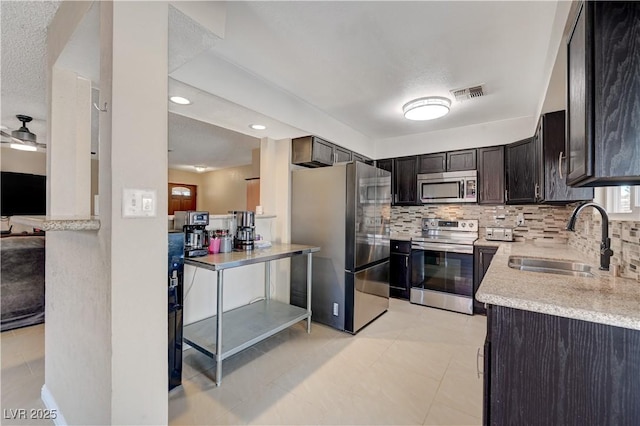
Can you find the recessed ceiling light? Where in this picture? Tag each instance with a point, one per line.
(258, 126)
(428, 108)
(200, 169)
(179, 100)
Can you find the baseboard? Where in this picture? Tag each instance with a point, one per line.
(52, 407)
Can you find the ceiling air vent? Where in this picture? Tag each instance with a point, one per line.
(468, 93)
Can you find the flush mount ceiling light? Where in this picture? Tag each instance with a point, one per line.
(200, 169)
(258, 126)
(179, 100)
(428, 108)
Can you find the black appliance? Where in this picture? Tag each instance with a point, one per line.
(443, 271)
(400, 268)
(176, 289)
(196, 237)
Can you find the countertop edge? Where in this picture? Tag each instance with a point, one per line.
(47, 223)
(500, 287)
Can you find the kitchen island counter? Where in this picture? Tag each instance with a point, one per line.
(602, 298)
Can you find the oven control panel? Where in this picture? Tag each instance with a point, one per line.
(450, 225)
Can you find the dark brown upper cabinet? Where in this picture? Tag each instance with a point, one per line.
(341, 155)
(405, 184)
(451, 161)
(491, 175)
(461, 160)
(551, 176)
(603, 95)
(521, 172)
(432, 163)
(311, 151)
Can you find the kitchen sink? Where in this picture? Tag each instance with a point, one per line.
(549, 266)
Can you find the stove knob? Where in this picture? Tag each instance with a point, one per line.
(471, 225)
(463, 224)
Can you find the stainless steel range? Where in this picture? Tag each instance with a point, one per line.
(443, 267)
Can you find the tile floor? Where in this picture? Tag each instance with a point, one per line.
(413, 365)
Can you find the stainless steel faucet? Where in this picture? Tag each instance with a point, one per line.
(605, 243)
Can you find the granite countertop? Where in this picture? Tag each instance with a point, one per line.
(67, 223)
(234, 259)
(601, 299)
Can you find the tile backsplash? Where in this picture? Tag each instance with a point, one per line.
(625, 242)
(542, 223)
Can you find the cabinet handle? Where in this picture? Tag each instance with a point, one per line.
(506, 198)
(536, 190)
(406, 261)
(560, 157)
(478, 356)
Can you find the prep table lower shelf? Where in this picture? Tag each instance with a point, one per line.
(243, 327)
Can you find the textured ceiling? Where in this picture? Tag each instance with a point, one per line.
(193, 142)
(355, 62)
(23, 62)
(361, 61)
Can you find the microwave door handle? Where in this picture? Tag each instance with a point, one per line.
(461, 189)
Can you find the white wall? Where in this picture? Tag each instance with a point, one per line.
(478, 135)
(77, 305)
(226, 189)
(12, 160)
(139, 246)
(106, 336)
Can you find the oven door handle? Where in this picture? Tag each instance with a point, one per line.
(449, 248)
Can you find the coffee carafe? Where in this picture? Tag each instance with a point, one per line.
(245, 229)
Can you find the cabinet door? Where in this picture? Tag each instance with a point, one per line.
(357, 157)
(461, 160)
(579, 162)
(491, 175)
(385, 164)
(603, 89)
(399, 273)
(322, 151)
(482, 257)
(521, 172)
(616, 91)
(433, 163)
(552, 178)
(405, 170)
(341, 155)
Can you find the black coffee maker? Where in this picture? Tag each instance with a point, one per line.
(196, 238)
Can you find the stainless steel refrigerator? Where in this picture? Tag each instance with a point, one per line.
(345, 210)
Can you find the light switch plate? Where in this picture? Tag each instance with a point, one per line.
(139, 202)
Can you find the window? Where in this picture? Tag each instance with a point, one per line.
(181, 191)
(621, 202)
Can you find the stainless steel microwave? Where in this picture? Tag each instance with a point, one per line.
(448, 187)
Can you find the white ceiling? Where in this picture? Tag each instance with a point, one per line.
(348, 65)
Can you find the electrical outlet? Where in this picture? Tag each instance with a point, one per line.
(520, 219)
(335, 309)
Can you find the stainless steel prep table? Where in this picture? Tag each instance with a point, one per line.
(249, 324)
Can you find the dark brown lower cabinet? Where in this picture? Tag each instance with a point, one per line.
(482, 257)
(547, 370)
